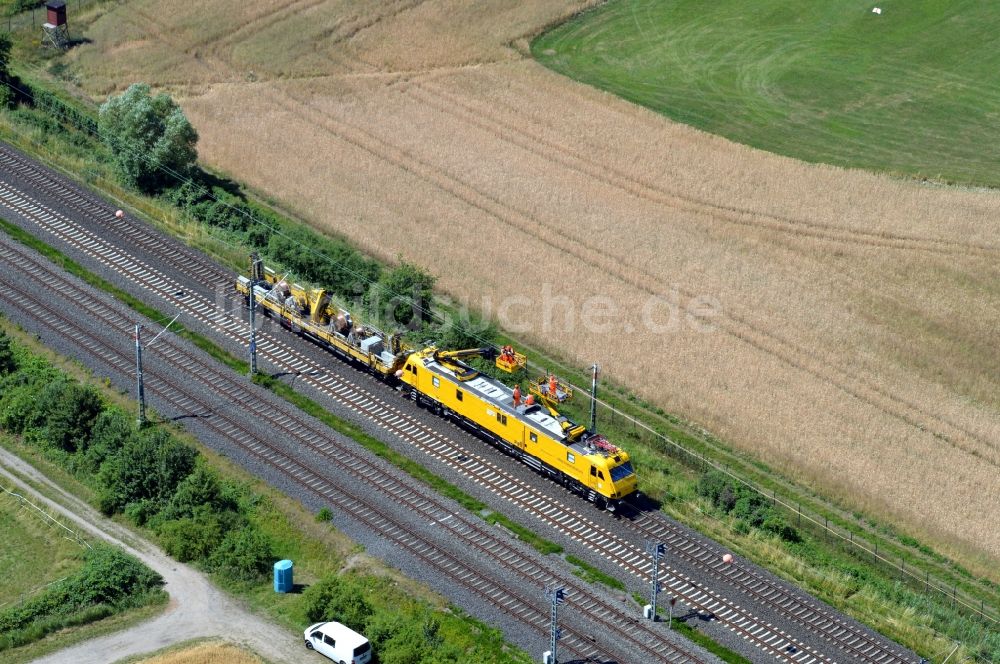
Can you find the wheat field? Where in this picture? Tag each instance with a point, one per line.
(857, 317)
(206, 653)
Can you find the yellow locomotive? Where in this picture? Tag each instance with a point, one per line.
(582, 460)
(534, 432)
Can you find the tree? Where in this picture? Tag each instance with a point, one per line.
(150, 138)
(244, 555)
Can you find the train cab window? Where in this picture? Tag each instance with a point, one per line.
(501, 418)
(533, 436)
(593, 471)
(570, 457)
(436, 381)
(458, 394)
(409, 367)
(600, 474)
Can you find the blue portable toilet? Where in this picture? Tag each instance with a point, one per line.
(283, 576)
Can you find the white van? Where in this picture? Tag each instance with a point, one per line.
(341, 644)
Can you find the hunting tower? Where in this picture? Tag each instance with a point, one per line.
(55, 28)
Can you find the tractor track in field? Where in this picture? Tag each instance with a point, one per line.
(488, 120)
(823, 634)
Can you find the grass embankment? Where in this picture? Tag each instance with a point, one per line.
(40, 558)
(909, 91)
(33, 551)
(868, 593)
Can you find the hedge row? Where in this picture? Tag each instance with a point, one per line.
(110, 581)
(59, 109)
(399, 298)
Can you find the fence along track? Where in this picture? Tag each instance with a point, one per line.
(637, 636)
(626, 554)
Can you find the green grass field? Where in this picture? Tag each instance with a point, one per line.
(32, 552)
(915, 90)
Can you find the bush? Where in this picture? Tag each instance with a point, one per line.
(19, 411)
(141, 511)
(192, 538)
(149, 466)
(324, 515)
(8, 363)
(200, 489)
(454, 333)
(109, 578)
(749, 508)
(338, 598)
(408, 645)
(111, 431)
(24, 5)
(71, 410)
(201, 510)
(244, 555)
(711, 486)
(402, 296)
(776, 524)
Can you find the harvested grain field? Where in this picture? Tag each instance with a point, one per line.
(856, 317)
(206, 653)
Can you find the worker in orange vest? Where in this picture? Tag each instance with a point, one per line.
(517, 396)
(553, 394)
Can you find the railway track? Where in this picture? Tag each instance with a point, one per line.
(844, 639)
(632, 638)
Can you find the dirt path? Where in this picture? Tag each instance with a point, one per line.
(196, 609)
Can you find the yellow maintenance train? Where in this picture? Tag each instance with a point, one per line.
(530, 430)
